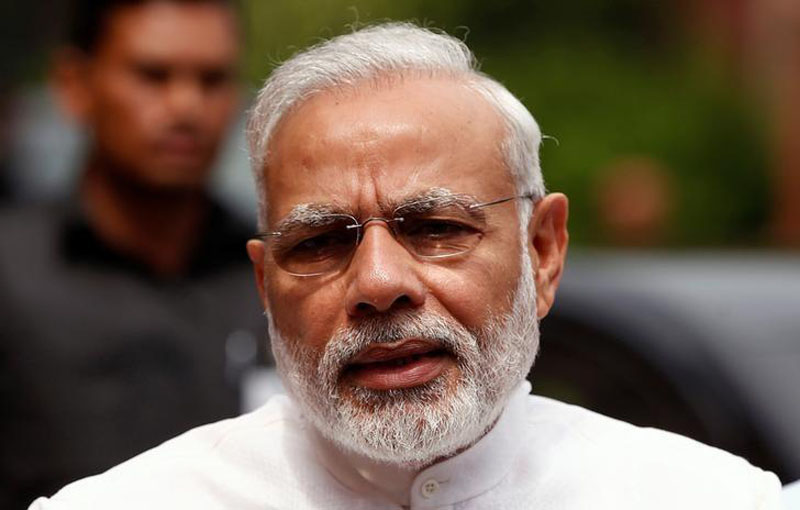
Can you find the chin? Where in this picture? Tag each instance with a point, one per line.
(412, 427)
(176, 178)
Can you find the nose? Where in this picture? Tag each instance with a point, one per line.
(186, 98)
(382, 275)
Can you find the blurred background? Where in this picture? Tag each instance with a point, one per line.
(693, 105)
(672, 126)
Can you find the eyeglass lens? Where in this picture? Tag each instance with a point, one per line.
(318, 248)
(328, 244)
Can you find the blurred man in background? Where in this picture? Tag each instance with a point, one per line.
(119, 306)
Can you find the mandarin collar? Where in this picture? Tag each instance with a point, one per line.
(464, 476)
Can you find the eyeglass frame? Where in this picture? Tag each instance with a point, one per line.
(359, 226)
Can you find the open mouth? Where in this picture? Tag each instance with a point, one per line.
(403, 364)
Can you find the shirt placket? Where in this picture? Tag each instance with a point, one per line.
(427, 493)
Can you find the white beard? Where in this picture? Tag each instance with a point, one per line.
(415, 426)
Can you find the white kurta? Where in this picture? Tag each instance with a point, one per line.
(541, 454)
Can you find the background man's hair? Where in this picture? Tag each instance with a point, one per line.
(383, 53)
(89, 18)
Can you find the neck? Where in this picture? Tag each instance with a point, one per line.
(486, 461)
(157, 227)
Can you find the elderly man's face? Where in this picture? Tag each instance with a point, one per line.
(390, 334)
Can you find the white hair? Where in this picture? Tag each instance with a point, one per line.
(391, 50)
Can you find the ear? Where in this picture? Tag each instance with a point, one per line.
(548, 238)
(257, 251)
(70, 81)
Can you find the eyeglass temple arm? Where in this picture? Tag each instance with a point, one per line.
(502, 200)
(264, 235)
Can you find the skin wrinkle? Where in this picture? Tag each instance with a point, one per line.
(371, 136)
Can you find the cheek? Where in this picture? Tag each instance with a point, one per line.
(307, 312)
(126, 115)
(220, 108)
(477, 292)
(146, 110)
(129, 96)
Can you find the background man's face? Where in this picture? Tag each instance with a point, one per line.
(159, 90)
(360, 152)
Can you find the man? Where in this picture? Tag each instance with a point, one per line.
(408, 250)
(118, 306)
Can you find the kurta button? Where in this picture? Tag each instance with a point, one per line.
(429, 488)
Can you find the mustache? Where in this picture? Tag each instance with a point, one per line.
(348, 342)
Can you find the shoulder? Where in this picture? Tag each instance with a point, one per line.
(17, 215)
(28, 227)
(791, 495)
(653, 467)
(237, 462)
(29, 249)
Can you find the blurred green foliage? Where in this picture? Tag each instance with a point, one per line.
(608, 79)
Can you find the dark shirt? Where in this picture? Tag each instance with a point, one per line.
(100, 359)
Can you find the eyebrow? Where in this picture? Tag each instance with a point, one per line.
(303, 216)
(308, 215)
(438, 197)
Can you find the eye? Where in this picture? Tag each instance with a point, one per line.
(435, 236)
(212, 79)
(151, 73)
(321, 245)
(439, 235)
(431, 228)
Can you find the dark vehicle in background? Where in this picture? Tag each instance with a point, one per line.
(703, 344)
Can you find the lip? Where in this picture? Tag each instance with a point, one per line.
(398, 365)
(179, 145)
(390, 351)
